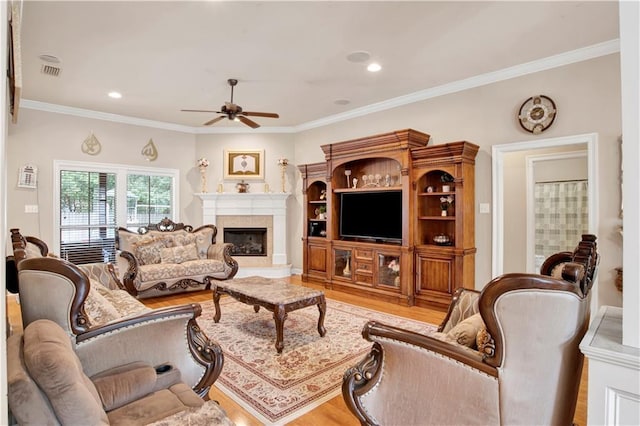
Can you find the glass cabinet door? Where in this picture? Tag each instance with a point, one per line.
(342, 263)
(389, 270)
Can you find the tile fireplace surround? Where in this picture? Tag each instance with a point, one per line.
(247, 210)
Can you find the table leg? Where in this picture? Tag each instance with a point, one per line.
(216, 302)
(322, 307)
(279, 315)
(256, 308)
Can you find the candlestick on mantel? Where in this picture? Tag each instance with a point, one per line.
(283, 162)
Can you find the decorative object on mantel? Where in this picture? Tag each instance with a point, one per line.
(202, 164)
(537, 114)
(242, 187)
(149, 151)
(220, 187)
(91, 145)
(283, 163)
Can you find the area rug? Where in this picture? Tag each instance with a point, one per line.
(277, 388)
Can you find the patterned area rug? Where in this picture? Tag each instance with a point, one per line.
(277, 388)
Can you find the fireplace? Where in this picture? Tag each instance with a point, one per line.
(252, 210)
(247, 241)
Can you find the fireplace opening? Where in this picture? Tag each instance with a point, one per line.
(247, 241)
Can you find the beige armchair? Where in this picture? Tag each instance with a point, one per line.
(48, 385)
(60, 291)
(506, 355)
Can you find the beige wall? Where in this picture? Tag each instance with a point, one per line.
(40, 137)
(587, 95)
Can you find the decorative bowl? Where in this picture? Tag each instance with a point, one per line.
(441, 239)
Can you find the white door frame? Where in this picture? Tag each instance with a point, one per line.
(497, 187)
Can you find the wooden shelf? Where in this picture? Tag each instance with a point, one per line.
(368, 189)
(436, 218)
(439, 194)
(429, 273)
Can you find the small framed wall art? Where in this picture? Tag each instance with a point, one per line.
(244, 164)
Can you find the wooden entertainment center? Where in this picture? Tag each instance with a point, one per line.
(389, 217)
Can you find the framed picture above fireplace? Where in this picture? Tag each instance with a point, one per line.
(244, 164)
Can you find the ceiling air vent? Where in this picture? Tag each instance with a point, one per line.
(50, 70)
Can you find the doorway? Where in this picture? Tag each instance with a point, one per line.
(500, 174)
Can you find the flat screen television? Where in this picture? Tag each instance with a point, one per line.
(374, 215)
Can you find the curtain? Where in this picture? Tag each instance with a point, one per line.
(562, 216)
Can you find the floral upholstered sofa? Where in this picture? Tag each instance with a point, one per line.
(170, 257)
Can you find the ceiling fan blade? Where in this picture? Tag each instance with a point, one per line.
(213, 121)
(261, 114)
(248, 122)
(197, 110)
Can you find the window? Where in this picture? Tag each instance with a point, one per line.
(92, 201)
(87, 216)
(149, 199)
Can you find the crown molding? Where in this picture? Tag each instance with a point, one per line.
(105, 116)
(550, 62)
(555, 61)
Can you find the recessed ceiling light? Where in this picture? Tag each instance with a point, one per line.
(373, 67)
(360, 56)
(50, 58)
(115, 95)
(342, 101)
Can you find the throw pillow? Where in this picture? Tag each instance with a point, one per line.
(484, 342)
(203, 241)
(179, 254)
(465, 332)
(148, 252)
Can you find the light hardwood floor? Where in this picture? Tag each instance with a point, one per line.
(334, 411)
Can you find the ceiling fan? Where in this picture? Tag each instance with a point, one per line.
(234, 112)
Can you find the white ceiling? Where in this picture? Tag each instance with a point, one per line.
(289, 57)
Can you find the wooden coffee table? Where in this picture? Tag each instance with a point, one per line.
(275, 296)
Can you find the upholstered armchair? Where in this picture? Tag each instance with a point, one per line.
(506, 355)
(60, 291)
(168, 257)
(48, 385)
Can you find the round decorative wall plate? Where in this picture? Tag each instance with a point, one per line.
(537, 114)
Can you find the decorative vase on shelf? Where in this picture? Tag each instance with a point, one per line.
(443, 213)
(347, 271)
